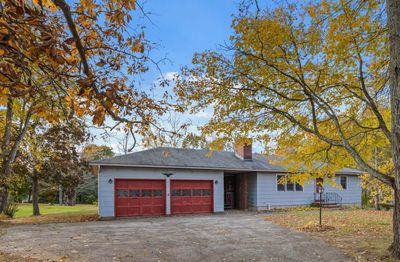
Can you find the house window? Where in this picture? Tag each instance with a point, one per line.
(289, 186)
(283, 184)
(280, 184)
(343, 182)
(299, 187)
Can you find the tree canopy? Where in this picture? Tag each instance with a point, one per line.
(311, 79)
(71, 58)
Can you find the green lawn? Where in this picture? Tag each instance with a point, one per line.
(51, 214)
(25, 210)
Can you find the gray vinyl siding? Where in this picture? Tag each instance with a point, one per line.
(106, 190)
(252, 190)
(351, 195)
(269, 197)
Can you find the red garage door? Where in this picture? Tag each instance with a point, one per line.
(134, 197)
(189, 196)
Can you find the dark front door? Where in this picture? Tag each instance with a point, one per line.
(229, 191)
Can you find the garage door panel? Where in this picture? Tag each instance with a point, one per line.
(139, 197)
(133, 211)
(191, 196)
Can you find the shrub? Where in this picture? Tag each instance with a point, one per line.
(11, 208)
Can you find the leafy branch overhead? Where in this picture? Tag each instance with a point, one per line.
(315, 76)
(86, 51)
(65, 59)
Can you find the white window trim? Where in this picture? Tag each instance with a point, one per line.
(347, 182)
(285, 185)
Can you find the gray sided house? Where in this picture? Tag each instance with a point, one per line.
(168, 181)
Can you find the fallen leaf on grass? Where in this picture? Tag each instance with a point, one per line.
(316, 228)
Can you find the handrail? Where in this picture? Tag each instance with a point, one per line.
(328, 198)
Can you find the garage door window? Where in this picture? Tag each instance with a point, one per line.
(206, 192)
(196, 192)
(186, 192)
(157, 193)
(176, 192)
(146, 193)
(134, 193)
(122, 193)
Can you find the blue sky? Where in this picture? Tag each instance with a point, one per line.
(180, 28)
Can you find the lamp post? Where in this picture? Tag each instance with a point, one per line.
(320, 191)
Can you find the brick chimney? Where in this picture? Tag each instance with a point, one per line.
(243, 149)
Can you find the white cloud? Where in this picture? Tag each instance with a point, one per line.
(170, 75)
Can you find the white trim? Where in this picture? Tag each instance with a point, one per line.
(98, 192)
(168, 195)
(209, 168)
(187, 167)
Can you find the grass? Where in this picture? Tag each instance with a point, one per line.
(364, 235)
(52, 214)
(25, 210)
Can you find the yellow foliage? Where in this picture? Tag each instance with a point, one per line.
(291, 78)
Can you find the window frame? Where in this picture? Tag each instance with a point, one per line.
(285, 184)
(347, 182)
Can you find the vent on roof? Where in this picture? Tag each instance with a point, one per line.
(243, 149)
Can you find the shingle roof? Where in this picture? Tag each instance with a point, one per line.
(198, 159)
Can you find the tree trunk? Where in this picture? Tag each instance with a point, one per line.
(30, 196)
(35, 196)
(376, 202)
(9, 152)
(393, 17)
(3, 197)
(60, 195)
(377, 196)
(70, 196)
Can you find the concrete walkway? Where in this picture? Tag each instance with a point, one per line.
(237, 236)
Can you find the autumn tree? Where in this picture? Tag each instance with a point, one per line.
(86, 52)
(316, 76)
(86, 191)
(93, 152)
(50, 154)
(65, 165)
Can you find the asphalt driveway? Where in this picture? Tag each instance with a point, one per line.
(238, 236)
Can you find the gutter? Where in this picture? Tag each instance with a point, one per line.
(208, 168)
